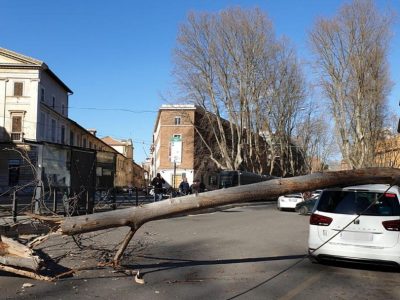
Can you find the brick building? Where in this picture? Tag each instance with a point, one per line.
(176, 151)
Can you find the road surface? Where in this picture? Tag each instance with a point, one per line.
(251, 252)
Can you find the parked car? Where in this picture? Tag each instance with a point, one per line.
(316, 193)
(289, 201)
(358, 224)
(306, 207)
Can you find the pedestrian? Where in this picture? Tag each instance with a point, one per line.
(130, 190)
(196, 187)
(184, 187)
(157, 183)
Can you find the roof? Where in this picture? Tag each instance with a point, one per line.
(95, 137)
(176, 107)
(20, 57)
(27, 62)
(114, 142)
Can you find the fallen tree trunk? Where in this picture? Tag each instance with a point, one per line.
(14, 255)
(17, 255)
(136, 216)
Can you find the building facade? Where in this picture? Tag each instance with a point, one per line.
(129, 174)
(34, 123)
(388, 152)
(33, 100)
(176, 151)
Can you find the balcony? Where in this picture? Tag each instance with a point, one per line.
(17, 136)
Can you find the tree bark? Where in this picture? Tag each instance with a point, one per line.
(137, 216)
(17, 255)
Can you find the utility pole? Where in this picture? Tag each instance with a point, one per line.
(174, 174)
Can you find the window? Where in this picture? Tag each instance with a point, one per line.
(16, 127)
(62, 134)
(177, 136)
(42, 94)
(212, 180)
(177, 120)
(13, 172)
(42, 124)
(71, 138)
(53, 130)
(53, 104)
(367, 203)
(18, 89)
(90, 145)
(63, 109)
(84, 142)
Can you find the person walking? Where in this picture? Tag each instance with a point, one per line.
(184, 187)
(158, 182)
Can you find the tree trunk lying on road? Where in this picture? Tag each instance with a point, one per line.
(137, 216)
(19, 259)
(17, 255)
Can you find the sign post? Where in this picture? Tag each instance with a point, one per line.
(176, 155)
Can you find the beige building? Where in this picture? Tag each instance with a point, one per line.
(34, 109)
(125, 147)
(33, 100)
(128, 172)
(388, 152)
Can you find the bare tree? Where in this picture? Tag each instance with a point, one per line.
(247, 83)
(314, 139)
(351, 59)
(285, 98)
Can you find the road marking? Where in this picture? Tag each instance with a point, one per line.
(304, 285)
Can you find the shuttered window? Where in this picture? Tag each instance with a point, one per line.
(18, 88)
(16, 124)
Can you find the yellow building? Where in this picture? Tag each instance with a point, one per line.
(388, 152)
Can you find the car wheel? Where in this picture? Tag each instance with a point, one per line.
(303, 210)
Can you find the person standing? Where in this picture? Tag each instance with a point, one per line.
(197, 187)
(184, 187)
(158, 182)
(130, 190)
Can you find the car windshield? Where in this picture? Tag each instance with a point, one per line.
(352, 202)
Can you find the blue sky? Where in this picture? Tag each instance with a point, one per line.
(118, 54)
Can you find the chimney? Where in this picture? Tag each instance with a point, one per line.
(92, 131)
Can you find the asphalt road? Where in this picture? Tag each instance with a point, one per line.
(252, 252)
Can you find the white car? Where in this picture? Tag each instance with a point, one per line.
(372, 237)
(289, 201)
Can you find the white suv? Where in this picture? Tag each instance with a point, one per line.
(373, 237)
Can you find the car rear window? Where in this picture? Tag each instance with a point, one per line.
(294, 196)
(353, 202)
